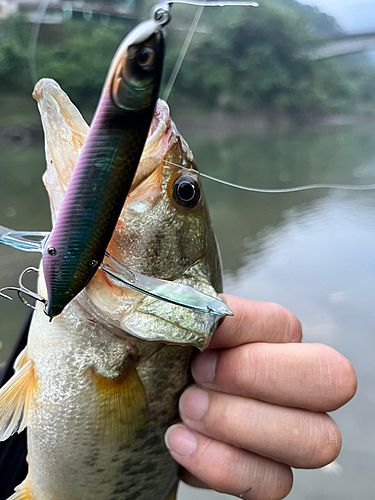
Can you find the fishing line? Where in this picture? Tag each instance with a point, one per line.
(367, 187)
(182, 53)
(223, 3)
(33, 40)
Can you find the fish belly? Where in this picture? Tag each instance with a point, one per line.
(77, 452)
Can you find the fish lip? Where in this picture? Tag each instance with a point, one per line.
(201, 343)
(156, 146)
(48, 86)
(159, 124)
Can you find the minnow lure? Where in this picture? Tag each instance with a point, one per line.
(106, 166)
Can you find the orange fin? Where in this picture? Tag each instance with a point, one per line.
(121, 405)
(15, 397)
(22, 492)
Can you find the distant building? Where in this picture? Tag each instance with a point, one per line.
(57, 11)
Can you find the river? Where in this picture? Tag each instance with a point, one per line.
(311, 251)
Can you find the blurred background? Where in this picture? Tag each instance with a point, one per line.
(273, 97)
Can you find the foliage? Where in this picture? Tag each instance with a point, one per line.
(240, 59)
(252, 60)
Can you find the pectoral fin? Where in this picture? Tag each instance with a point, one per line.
(15, 397)
(122, 406)
(21, 360)
(22, 492)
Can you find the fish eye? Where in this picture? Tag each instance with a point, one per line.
(186, 191)
(146, 58)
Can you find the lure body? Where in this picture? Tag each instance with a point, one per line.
(105, 169)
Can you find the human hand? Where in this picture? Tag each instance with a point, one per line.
(258, 405)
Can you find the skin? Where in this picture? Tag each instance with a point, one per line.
(258, 406)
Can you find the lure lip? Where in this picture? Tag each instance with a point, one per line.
(169, 291)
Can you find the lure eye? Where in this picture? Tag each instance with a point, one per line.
(93, 263)
(51, 251)
(186, 191)
(146, 57)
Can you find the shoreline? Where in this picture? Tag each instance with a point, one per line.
(218, 124)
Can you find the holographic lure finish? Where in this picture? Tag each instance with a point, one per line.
(106, 167)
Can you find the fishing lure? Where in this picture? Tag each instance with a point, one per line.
(106, 167)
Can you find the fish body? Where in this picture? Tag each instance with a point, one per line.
(99, 385)
(98, 416)
(106, 167)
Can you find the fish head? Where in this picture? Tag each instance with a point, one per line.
(164, 231)
(134, 76)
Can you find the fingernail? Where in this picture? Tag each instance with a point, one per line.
(204, 366)
(194, 403)
(180, 440)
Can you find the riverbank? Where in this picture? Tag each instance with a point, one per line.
(20, 122)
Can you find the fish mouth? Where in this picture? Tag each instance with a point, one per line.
(47, 86)
(159, 124)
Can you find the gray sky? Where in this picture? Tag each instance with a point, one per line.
(352, 15)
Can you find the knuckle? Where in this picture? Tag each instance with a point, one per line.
(245, 369)
(227, 471)
(283, 485)
(348, 381)
(332, 445)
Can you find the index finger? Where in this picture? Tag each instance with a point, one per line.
(255, 322)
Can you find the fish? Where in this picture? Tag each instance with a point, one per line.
(98, 386)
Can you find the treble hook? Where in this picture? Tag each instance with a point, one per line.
(22, 289)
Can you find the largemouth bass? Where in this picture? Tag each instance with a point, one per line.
(99, 385)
